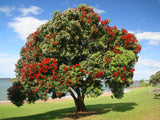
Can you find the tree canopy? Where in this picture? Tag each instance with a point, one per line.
(155, 78)
(74, 52)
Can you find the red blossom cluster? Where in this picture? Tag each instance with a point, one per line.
(132, 70)
(88, 73)
(91, 15)
(108, 59)
(38, 71)
(28, 71)
(81, 70)
(110, 32)
(116, 51)
(51, 36)
(115, 74)
(36, 33)
(89, 21)
(59, 94)
(124, 68)
(105, 22)
(31, 49)
(98, 74)
(122, 74)
(130, 41)
(77, 65)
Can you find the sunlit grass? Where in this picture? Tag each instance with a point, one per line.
(136, 105)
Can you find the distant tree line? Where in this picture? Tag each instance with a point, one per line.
(5, 78)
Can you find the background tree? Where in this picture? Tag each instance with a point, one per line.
(155, 78)
(143, 83)
(74, 52)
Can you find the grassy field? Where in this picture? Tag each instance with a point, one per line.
(138, 104)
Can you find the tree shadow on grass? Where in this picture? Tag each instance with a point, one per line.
(69, 113)
(156, 97)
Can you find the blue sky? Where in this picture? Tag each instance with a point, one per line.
(18, 18)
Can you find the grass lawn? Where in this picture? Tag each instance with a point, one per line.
(138, 104)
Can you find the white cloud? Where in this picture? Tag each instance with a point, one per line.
(143, 74)
(7, 64)
(145, 68)
(4, 54)
(133, 32)
(149, 35)
(154, 42)
(99, 11)
(25, 25)
(150, 63)
(158, 1)
(31, 10)
(7, 10)
(153, 37)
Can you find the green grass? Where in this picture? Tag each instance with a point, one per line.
(136, 105)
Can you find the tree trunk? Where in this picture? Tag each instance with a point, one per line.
(80, 106)
(79, 101)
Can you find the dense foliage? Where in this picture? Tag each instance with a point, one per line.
(76, 51)
(155, 78)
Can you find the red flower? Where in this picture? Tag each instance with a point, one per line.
(82, 17)
(124, 68)
(72, 84)
(77, 65)
(76, 38)
(124, 31)
(81, 70)
(132, 82)
(42, 82)
(98, 74)
(107, 60)
(105, 22)
(53, 35)
(65, 68)
(55, 43)
(36, 89)
(113, 74)
(99, 18)
(121, 74)
(132, 70)
(89, 21)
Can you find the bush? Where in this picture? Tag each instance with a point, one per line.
(144, 84)
(15, 94)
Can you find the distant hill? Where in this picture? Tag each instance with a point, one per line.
(5, 78)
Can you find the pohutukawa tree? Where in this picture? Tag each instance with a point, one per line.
(73, 53)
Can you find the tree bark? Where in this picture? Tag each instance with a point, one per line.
(80, 106)
(79, 101)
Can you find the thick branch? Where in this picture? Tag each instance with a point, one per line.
(71, 93)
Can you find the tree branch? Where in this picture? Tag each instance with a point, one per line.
(78, 92)
(71, 93)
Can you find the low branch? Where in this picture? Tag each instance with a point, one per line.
(71, 93)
